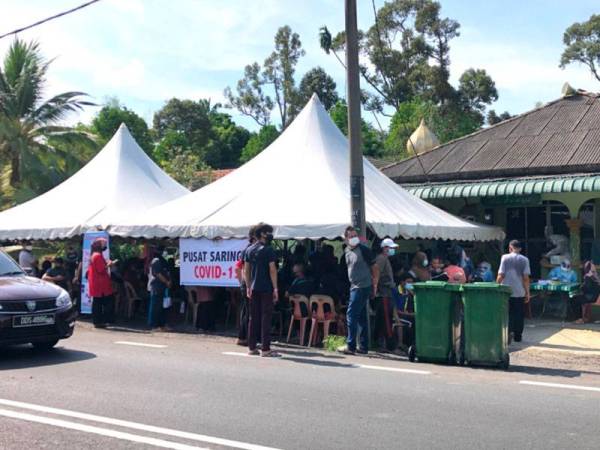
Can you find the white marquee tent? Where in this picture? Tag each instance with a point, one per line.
(121, 180)
(300, 185)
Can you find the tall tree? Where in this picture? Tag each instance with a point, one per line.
(582, 41)
(317, 81)
(278, 74)
(112, 115)
(30, 130)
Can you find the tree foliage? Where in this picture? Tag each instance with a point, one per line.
(317, 81)
(112, 115)
(198, 128)
(582, 41)
(258, 142)
(36, 152)
(372, 140)
(492, 118)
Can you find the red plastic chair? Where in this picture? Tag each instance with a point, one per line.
(296, 301)
(319, 316)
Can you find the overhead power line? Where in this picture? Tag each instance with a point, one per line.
(48, 19)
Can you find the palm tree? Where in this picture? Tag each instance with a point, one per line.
(36, 152)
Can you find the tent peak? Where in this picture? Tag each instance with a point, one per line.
(315, 98)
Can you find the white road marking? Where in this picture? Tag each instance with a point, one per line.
(561, 386)
(394, 369)
(134, 425)
(358, 366)
(239, 354)
(140, 344)
(96, 430)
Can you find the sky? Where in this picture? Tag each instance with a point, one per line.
(144, 52)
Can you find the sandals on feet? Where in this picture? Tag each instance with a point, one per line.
(270, 354)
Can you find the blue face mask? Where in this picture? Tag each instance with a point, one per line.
(408, 286)
(391, 251)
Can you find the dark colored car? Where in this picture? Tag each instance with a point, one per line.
(31, 310)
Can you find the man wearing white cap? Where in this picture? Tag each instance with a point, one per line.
(383, 331)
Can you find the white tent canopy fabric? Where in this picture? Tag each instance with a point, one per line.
(300, 185)
(120, 181)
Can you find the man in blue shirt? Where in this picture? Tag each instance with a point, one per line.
(260, 274)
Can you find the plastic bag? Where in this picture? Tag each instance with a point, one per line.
(167, 301)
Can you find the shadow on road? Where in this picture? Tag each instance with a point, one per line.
(26, 357)
(547, 371)
(318, 362)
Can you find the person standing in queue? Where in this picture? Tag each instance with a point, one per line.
(514, 272)
(244, 307)
(100, 286)
(363, 274)
(161, 281)
(383, 332)
(260, 274)
(27, 261)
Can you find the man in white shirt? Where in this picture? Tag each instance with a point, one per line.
(514, 272)
(26, 259)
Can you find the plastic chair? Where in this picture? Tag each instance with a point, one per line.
(296, 301)
(132, 297)
(320, 317)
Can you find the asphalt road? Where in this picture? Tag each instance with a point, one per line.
(201, 392)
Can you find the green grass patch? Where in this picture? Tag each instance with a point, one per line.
(333, 342)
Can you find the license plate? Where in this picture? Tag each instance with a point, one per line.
(33, 321)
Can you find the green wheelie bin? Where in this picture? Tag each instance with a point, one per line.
(485, 337)
(437, 328)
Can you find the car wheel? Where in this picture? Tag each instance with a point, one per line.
(44, 345)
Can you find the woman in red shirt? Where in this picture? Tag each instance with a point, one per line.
(100, 285)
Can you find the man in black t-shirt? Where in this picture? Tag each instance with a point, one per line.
(260, 274)
(57, 274)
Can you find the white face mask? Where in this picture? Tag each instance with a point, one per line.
(28, 248)
(391, 252)
(354, 241)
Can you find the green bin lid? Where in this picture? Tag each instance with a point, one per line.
(430, 285)
(488, 286)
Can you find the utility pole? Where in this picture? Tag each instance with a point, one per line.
(357, 180)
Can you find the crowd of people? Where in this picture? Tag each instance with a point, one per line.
(370, 284)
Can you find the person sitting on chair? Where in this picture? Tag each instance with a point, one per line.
(563, 273)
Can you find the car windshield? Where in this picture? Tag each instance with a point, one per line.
(8, 266)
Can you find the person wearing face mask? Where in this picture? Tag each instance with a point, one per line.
(100, 286)
(27, 261)
(383, 330)
(260, 275)
(563, 273)
(363, 275)
(420, 267)
(483, 273)
(436, 271)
